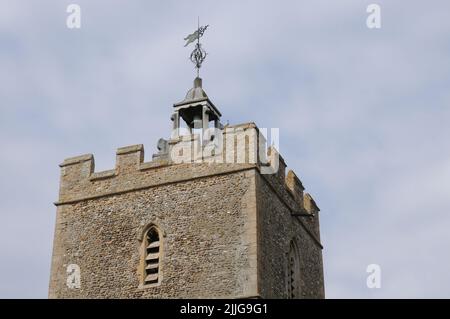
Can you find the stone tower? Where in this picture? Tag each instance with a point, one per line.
(213, 215)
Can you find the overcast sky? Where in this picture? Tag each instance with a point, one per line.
(364, 118)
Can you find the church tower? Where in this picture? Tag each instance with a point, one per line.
(213, 215)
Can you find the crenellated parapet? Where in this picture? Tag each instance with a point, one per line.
(186, 157)
(290, 189)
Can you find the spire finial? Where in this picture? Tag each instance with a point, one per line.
(198, 55)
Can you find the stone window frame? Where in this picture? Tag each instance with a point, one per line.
(143, 255)
(293, 263)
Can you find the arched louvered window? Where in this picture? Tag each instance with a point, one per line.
(293, 272)
(152, 246)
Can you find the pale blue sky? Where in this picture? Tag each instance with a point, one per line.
(363, 115)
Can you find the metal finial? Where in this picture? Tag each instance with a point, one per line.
(198, 55)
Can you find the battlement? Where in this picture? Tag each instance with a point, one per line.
(190, 223)
(235, 148)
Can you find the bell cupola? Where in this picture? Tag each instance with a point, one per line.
(196, 110)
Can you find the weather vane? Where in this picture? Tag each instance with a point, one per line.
(198, 55)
